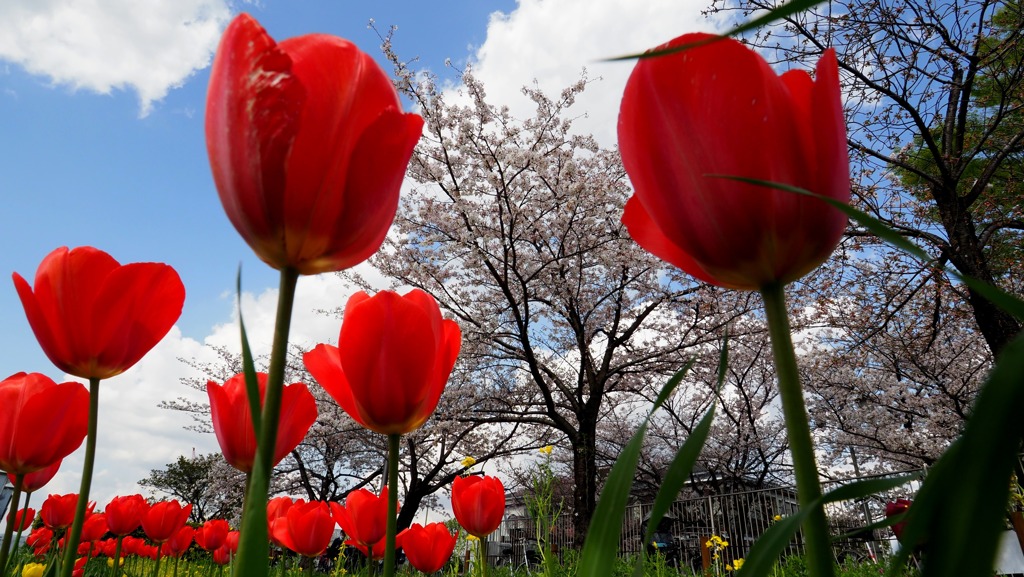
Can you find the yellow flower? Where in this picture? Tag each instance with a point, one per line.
(472, 538)
(777, 518)
(736, 565)
(546, 450)
(468, 462)
(110, 562)
(32, 570)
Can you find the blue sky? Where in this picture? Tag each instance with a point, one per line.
(101, 143)
(82, 168)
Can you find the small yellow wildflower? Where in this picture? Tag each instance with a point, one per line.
(735, 566)
(546, 450)
(472, 538)
(32, 570)
(777, 518)
(468, 461)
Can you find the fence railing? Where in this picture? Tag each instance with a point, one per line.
(737, 518)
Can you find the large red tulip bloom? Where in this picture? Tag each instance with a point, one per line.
(478, 502)
(306, 529)
(232, 419)
(125, 513)
(41, 422)
(428, 547)
(164, 518)
(32, 482)
(94, 317)
(393, 358)
(720, 109)
(308, 146)
(364, 517)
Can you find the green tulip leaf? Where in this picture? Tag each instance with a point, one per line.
(252, 387)
(602, 545)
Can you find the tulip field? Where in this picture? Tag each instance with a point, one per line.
(739, 181)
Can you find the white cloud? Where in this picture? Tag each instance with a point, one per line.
(149, 47)
(553, 41)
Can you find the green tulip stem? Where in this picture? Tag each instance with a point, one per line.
(9, 531)
(117, 556)
(801, 446)
(17, 539)
(71, 543)
(394, 443)
(254, 545)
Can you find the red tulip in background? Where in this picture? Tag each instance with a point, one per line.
(222, 556)
(364, 517)
(308, 146)
(58, 511)
(428, 547)
(41, 422)
(720, 109)
(124, 513)
(393, 358)
(212, 534)
(179, 542)
(94, 527)
(94, 317)
(899, 507)
(32, 482)
(306, 529)
(40, 540)
(22, 518)
(232, 419)
(164, 518)
(478, 502)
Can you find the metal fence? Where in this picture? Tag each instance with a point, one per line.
(737, 518)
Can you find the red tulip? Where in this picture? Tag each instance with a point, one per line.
(232, 541)
(478, 503)
(898, 508)
(364, 517)
(32, 482)
(428, 547)
(308, 146)
(720, 109)
(40, 539)
(277, 508)
(124, 513)
(306, 529)
(179, 541)
(164, 518)
(212, 534)
(392, 361)
(58, 511)
(93, 528)
(21, 519)
(222, 555)
(41, 422)
(232, 419)
(95, 318)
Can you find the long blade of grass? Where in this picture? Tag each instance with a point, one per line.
(602, 545)
(787, 9)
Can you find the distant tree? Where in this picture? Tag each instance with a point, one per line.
(936, 130)
(515, 228)
(190, 480)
